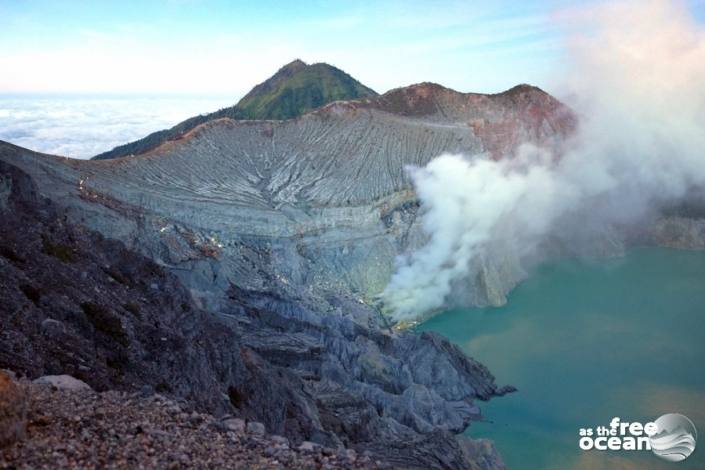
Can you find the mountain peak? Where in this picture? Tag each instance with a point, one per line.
(522, 88)
(298, 88)
(287, 70)
(295, 64)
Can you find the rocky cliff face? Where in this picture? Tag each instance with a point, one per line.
(313, 369)
(251, 252)
(320, 204)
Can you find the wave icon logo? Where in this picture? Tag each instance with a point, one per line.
(675, 439)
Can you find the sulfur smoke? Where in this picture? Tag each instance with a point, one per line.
(638, 78)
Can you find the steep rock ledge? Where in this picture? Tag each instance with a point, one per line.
(77, 303)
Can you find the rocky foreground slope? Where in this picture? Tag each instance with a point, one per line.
(72, 426)
(77, 303)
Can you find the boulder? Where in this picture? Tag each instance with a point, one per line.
(52, 328)
(255, 428)
(64, 382)
(235, 425)
(308, 446)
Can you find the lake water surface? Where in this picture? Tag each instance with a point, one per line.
(587, 341)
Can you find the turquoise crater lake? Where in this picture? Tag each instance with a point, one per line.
(585, 341)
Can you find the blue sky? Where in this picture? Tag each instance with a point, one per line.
(223, 48)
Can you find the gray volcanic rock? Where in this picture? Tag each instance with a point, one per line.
(285, 231)
(64, 382)
(262, 245)
(310, 368)
(321, 203)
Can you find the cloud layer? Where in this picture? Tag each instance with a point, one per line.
(638, 80)
(83, 127)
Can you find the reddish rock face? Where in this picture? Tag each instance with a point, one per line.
(536, 117)
(424, 99)
(13, 410)
(502, 122)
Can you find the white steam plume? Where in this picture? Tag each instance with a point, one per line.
(639, 79)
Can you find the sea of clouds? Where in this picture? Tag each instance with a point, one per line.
(638, 82)
(81, 127)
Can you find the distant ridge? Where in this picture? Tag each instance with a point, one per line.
(294, 90)
(497, 120)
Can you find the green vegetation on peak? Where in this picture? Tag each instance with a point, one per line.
(298, 88)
